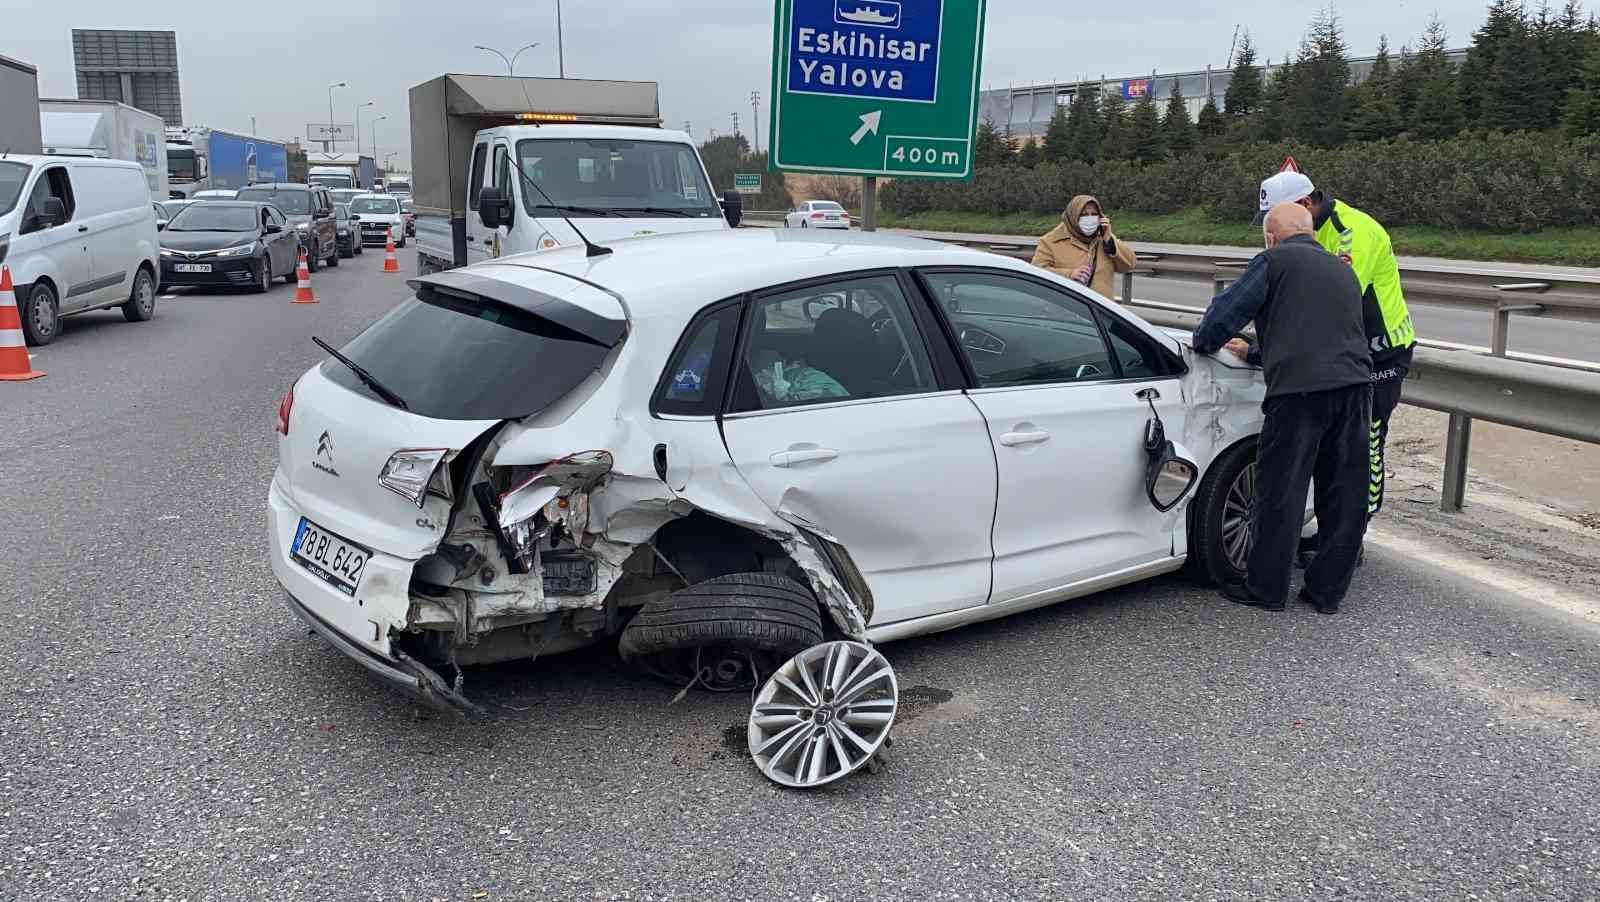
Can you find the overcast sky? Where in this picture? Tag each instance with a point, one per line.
(274, 61)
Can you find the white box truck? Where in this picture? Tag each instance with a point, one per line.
(109, 131)
(504, 165)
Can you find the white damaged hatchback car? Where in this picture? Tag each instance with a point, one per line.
(719, 449)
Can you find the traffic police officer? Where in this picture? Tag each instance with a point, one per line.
(1360, 241)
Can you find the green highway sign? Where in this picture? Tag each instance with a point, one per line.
(747, 182)
(876, 87)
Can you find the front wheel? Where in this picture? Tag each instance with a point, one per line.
(264, 277)
(402, 242)
(1219, 540)
(41, 315)
(141, 305)
(333, 258)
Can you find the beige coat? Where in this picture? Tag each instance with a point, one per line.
(1062, 250)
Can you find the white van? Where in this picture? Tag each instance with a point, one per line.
(78, 235)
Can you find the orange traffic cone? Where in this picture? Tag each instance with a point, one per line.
(390, 264)
(302, 291)
(14, 364)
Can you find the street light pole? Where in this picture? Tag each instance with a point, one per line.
(359, 107)
(511, 62)
(755, 119)
(374, 125)
(325, 147)
(561, 52)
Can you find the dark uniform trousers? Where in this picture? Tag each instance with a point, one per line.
(1386, 383)
(1323, 436)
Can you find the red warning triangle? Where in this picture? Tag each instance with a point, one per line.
(1289, 165)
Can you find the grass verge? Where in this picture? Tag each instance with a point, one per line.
(1559, 247)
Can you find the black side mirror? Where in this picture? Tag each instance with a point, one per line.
(494, 208)
(1169, 474)
(355, 217)
(732, 207)
(52, 212)
(272, 228)
(161, 225)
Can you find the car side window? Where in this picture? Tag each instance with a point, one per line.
(836, 341)
(1015, 331)
(693, 382)
(1137, 355)
(475, 180)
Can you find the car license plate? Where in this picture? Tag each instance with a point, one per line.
(333, 559)
(192, 267)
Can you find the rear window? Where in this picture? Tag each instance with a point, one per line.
(293, 201)
(455, 358)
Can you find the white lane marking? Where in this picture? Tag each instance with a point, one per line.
(1527, 588)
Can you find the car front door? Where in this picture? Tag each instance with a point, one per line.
(281, 245)
(65, 244)
(480, 238)
(839, 419)
(1059, 381)
(323, 222)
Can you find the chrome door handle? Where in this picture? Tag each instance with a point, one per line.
(1013, 439)
(802, 456)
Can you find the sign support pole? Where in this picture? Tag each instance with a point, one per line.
(869, 203)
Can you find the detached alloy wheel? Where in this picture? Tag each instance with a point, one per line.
(41, 320)
(823, 715)
(1219, 535)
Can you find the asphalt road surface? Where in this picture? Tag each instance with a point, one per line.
(168, 730)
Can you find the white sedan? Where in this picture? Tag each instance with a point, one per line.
(817, 214)
(717, 449)
(379, 216)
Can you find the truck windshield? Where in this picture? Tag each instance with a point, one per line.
(12, 177)
(612, 178)
(399, 187)
(180, 164)
(332, 181)
(293, 202)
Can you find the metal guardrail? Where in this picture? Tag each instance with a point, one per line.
(1539, 396)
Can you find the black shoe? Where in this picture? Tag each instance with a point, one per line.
(1238, 594)
(1321, 608)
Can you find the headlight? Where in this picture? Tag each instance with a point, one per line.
(238, 251)
(167, 253)
(415, 473)
(303, 227)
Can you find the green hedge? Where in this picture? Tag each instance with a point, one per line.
(1493, 182)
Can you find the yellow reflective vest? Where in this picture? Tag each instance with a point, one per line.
(1360, 241)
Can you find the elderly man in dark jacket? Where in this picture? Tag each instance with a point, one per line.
(1306, 304)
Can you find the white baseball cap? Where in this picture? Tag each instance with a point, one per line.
(1283, 188)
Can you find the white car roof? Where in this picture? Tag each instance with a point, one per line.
(678, 274)
(40, 159)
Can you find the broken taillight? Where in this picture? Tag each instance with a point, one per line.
(526, 511)
(415, 473)
(285, 407)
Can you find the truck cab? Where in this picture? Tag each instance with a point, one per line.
(545, 183)
(513, 165)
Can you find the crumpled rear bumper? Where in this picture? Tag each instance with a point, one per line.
(402, 670)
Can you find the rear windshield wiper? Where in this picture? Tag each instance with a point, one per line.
(659, 211)
(569, 208)
(367, 378)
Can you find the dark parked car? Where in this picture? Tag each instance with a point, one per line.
(228, 243)
(310, 211)
(349, 241)
(411, 217)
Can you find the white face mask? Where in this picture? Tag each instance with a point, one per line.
(1088, 225)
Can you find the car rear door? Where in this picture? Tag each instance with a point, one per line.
(281, 246)
(1058, 382)
(842, 417)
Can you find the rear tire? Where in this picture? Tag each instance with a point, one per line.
(1217, 551)
(722, 628)
(141, 305)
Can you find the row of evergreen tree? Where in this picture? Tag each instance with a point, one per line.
(1524, 71)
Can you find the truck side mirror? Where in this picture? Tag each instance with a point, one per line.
(494, 208)
(202, 168)
(732, 207)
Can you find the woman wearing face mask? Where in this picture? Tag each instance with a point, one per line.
(1083, 247)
